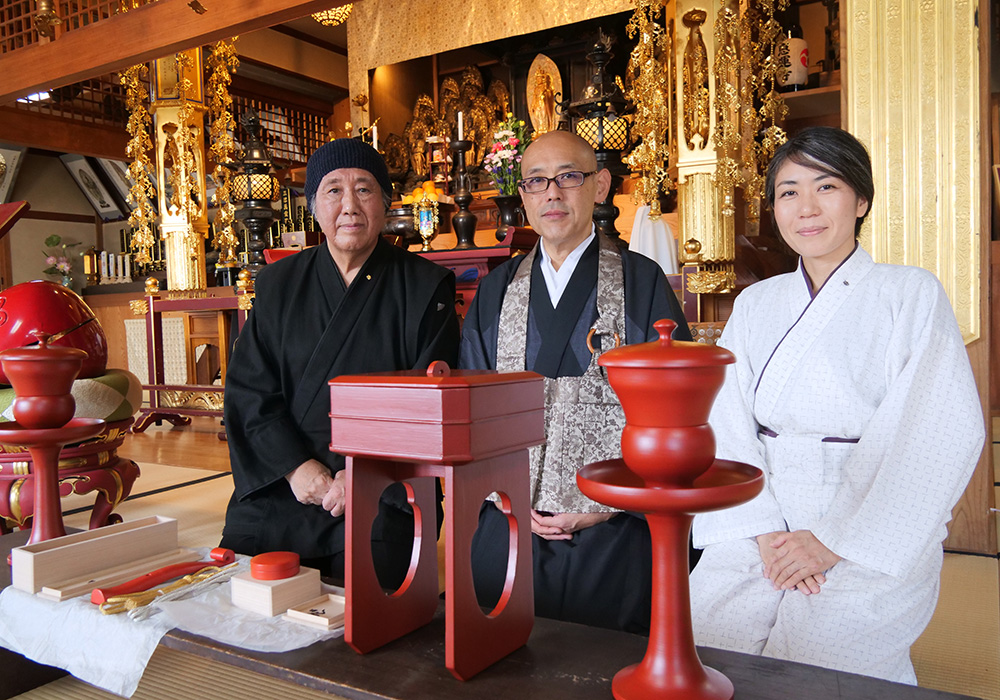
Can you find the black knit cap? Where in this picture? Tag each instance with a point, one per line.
(345, 153)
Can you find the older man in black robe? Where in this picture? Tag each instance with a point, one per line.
(551, 312)
(353, 305)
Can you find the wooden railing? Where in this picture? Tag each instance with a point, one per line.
(17, 17)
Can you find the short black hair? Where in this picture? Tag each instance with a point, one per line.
(832, 151)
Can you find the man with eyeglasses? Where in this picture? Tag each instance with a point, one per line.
(352, 305)
(553, 311)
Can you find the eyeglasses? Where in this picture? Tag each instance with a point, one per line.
(564, 181)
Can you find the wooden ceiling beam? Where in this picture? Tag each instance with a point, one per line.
(143, 34)
(51, 133)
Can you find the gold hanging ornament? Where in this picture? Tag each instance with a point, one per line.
(222, 61)
(142, 194)
(648, 87)
(334, 16)
(745, 69)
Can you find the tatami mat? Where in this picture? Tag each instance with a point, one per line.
(174, 675)
(960, 649)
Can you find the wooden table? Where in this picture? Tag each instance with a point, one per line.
(562, 661)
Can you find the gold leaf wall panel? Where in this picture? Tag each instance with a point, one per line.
(383, 32)
(913, 99)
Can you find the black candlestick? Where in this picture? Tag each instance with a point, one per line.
(464, 221)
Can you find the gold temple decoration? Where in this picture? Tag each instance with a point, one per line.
(745, 72)
(709, 250)
(921, 124)
(544, 88)
(648, 87)
(222, 61)
(334, 16)
(178, 104)
(695, 82)
(142, 193)
(46, 19)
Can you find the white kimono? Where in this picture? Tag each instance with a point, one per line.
(860, 407)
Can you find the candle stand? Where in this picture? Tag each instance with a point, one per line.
(464, 221)
(669, 472)
(42, 377)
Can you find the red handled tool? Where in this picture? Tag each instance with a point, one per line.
(219, 557)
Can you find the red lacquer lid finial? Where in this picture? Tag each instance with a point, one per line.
(665, 327)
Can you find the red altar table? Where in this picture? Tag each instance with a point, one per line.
(472, 429)
(152, 306)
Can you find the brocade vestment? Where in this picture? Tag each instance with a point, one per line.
(602, 575)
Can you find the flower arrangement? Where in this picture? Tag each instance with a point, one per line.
(59, 264)
(503, 162)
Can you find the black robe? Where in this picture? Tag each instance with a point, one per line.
(306, 328)
(603, 575)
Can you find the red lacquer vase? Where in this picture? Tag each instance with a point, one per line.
(669, 472)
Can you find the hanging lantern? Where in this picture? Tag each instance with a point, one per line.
(334, 16)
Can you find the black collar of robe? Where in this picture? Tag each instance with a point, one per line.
(555, 326)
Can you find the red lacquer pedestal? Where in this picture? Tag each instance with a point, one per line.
(42, 376)
(472, 429)
(669, 473)
(45, 444)
(671, 669)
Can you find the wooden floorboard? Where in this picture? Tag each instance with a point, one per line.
(196, 446)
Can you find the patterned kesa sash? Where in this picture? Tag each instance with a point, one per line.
(583, 417)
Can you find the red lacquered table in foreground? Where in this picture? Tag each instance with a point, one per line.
(472, 429)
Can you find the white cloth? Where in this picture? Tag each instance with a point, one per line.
(111, 651)
(876, 356)
(556, 280)
(653, 238)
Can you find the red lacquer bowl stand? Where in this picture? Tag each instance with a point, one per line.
(42, 376)
(669, 472)
(44, 445)
(471, 429)
(671, 669)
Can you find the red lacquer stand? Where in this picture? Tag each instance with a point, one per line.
(42, 377)
(471, 429)
(669, 472)
(671, 669)
(45, 444)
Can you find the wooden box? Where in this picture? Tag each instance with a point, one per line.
(439, 416)
(272, 597)
(73, 556)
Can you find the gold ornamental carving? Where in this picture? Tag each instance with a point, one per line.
(709, 281)
(649, 86)
(710, 241)
(921, 125)
(179, 109)
(697, 98)
(140, 307)
(205, 400)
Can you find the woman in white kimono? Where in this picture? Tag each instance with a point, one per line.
(852, 391)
